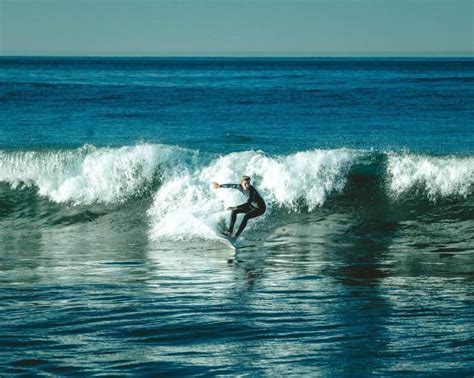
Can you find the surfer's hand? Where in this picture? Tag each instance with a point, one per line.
(215, 185)
(230, 208)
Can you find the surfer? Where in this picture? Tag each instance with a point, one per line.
(254, 207)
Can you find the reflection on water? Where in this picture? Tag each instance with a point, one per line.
(333, 294)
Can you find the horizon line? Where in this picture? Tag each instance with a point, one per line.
(242, 56)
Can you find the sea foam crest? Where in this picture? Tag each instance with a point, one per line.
(435, 176)
(87, 175)
(307, 177)
(185, 206)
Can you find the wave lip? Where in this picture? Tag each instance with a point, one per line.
(434, 176)
(87, 175)
(308, 176)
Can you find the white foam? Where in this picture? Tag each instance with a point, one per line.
(88, 175)
(435, 176)
(308, 176)
(185, 206)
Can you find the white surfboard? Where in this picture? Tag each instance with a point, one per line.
(232, 244)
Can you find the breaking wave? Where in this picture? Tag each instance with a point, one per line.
(89, 175)
(185, 206)
(435, 177)
(175, 182)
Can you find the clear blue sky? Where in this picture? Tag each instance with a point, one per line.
(229, 27)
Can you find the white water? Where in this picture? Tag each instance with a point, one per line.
(434, 176)
(185, 206)
(88, 175)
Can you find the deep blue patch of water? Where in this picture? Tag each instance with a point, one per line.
(277, 105)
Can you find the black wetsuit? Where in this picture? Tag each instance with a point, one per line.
(254, 207)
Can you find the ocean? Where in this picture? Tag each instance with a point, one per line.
(110, 262)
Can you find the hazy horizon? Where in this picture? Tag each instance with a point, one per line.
(321, 28)
(245, 56)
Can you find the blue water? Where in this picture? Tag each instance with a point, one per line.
(226, 105)
(109, 257)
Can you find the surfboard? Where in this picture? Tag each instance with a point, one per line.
(232, 244)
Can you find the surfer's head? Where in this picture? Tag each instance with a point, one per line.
(245, 182)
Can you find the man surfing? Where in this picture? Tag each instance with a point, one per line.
(254, 207)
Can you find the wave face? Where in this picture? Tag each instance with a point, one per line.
(175, 182)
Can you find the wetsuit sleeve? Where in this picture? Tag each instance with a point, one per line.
(233, 186)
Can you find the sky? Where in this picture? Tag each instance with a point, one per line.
(237, 28)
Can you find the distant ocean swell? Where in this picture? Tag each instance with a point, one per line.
(176, 181)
